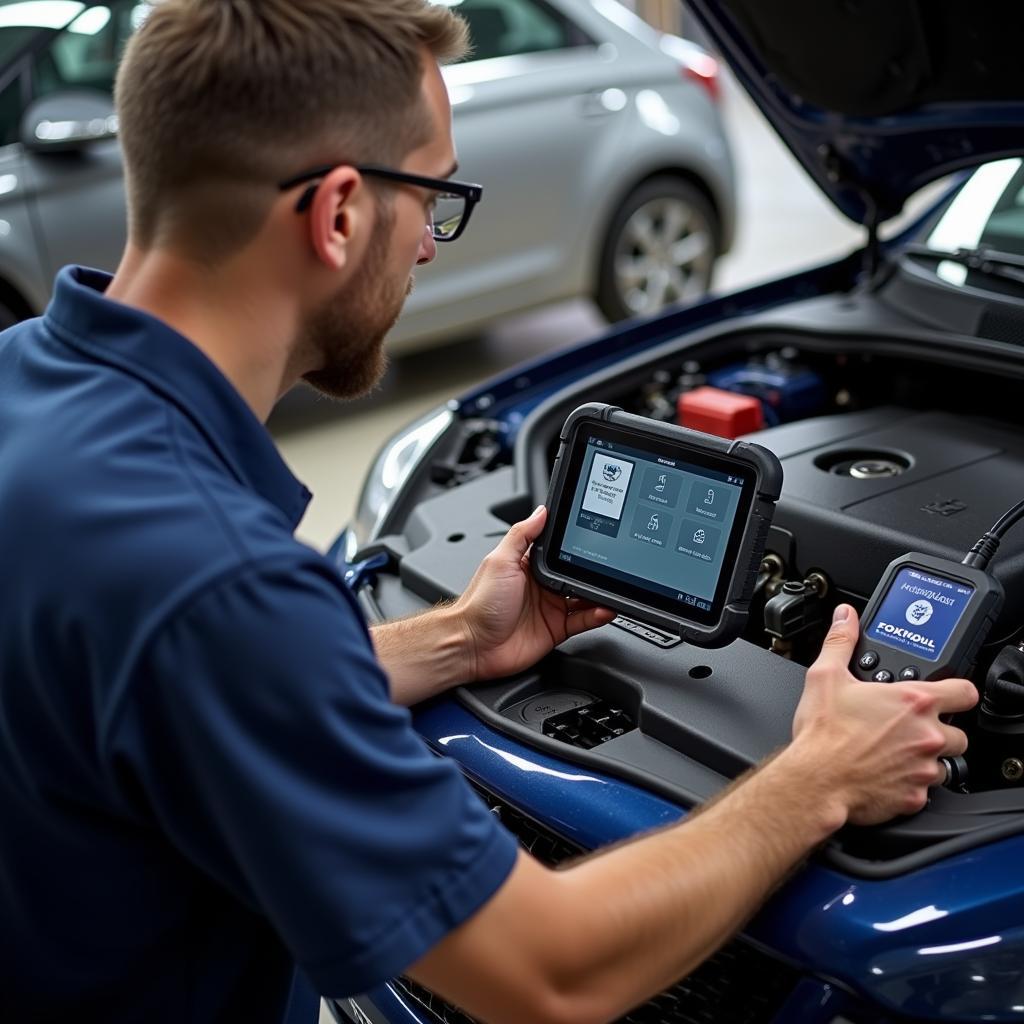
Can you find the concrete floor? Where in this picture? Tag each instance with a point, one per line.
(784, 223)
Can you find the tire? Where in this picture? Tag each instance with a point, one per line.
(660, 250)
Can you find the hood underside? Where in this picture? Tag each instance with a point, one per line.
(877, 98)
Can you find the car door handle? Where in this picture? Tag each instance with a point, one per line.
(602, 103)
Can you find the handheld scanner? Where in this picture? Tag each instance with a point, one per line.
(927, 619)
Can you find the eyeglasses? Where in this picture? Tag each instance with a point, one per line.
(452, 207)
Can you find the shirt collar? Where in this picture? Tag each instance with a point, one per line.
(146, 347)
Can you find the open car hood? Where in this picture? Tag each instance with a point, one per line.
(876, 98)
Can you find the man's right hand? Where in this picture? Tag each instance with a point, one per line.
(875, 746)
(625, 924)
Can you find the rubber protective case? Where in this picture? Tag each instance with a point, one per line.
(767, 487)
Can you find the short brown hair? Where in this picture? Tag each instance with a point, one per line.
(221, 99)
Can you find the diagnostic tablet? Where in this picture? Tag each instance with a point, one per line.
(663, 524)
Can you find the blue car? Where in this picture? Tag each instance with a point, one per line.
(889, 385)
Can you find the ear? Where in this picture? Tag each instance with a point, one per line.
(338, 216)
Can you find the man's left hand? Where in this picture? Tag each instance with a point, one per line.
(510, 621)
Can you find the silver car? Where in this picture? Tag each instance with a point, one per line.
(597, 140)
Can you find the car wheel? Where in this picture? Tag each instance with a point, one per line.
(660, 250)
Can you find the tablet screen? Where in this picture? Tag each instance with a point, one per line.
(657, 522)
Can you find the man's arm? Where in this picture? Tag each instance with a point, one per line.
(503, 623)
(586, 944)
(423, 655)
(257, 739)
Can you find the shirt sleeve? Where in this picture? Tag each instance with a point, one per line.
(259, 728)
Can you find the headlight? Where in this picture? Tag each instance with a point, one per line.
(390, 472)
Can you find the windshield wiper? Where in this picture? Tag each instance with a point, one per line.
(990, 262)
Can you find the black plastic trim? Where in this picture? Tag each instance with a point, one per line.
(979, 833)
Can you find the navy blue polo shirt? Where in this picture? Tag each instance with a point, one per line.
(209, 807)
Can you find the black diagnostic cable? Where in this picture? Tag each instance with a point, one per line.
(981, 554)
(1002, 701)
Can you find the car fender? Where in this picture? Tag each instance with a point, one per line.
(697, 152)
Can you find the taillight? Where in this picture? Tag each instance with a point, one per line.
(695, 64)
(703, 68)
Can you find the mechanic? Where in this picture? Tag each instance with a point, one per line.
(213, 803)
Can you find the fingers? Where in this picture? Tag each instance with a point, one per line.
(517, 541)
(953, 695)
(587, 618)
(534, 526)
(955, 741)
(837, 649)
(528, 530)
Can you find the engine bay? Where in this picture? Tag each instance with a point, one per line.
(869, 484)
(888, 446)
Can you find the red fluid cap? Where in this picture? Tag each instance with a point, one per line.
(723, 413)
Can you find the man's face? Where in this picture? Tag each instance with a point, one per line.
(349, 329)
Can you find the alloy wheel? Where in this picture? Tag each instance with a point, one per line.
(664, 255)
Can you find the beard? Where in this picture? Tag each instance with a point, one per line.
(348, 330)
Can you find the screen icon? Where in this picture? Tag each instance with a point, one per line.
(920, 612)
(710, 499)
(651, 526)
(660, 487)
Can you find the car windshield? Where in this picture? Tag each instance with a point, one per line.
(986, 217)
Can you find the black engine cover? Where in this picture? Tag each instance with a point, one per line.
(953, 478)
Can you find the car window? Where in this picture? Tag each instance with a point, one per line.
(988, 211)
(505, 28)
(10, 112)
(21, 21)
(1004, 229)
(86, 54)
(14, 39)
(985, 216)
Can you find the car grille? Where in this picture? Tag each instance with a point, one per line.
(738, 985)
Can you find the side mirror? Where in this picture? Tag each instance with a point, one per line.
(68, 122)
